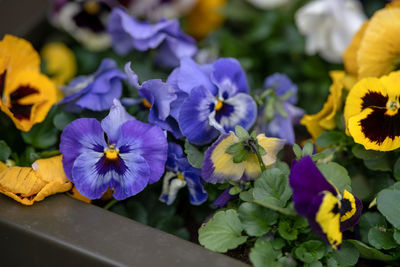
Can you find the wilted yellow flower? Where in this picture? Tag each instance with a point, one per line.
(205, 17)
(372, 112)
(375, 49)
(26, 185)
(60, 62)
(325, 119)
(26, 95)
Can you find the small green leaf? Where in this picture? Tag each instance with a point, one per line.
(396, 169)
(280, 109)
(62, 119)
(369, 220)
(330, 138)
(234, 148)
(287, 231)
(261, 150)
(308, 149)
(381, 238)
(247, 195)
(396, 236)
(234, 190)
(370, 253)
(241, 133)
(263, 254)
(278, 243)
(241, 156)
(222, 232)
(336, 174)
(273, 187)
(5, 151)
(253, 135)
(256, 220)
(360, 152)
(313, 264)
(347, 255)
(388, 204)
(310, 251)
(379, 164)
(194, 155)
(297, 151)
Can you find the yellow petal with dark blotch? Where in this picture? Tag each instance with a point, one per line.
(391, 83)
(27, 185)
(43, 98)
(60, 62)
(252, 167)
(325, 119)
(350, 55)
(349, 209)
(328, 218)
(223, 162)
(379, 51)
(272, 146)
(393, 4)
(354, 100)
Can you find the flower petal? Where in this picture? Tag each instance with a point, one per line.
(229, 76)
(197, 194)
(272, 146)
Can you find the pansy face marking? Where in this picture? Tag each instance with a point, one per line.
(372, 112)
(329, 213)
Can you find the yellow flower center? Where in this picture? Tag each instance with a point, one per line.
(180, 177)
(392, 107)
(219, 105)
(111, 152)
(146, 103)
(92, 7)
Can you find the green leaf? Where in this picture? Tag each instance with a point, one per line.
(222, 232)
(380, 238)
(297, 151)
(234, 148)
(313, 264)
(241, 133)
(241, 156)
(256, 220)
(272, 187)
(278, 243)
(263, 254)
(367, 252)
(388, 204)
(360, 152)
(331, 262)
(310, 251)
(369, 220)
(396, 169)
(5, 151)
(234, 190)
(247, 195)
(330, 138)
(308, 149)
(379, 164)
(347, 255)
(62, 119)
(396, 236)
(336, 174)
(194, 155)
(287, 231)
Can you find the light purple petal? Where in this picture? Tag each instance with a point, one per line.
(230, 77)
(282, 84)
(132, 77)
(197, 194)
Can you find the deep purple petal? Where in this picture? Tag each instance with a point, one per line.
(224, 198)
(112, 123)
(193, 118)
(230, 77)
(353, 220)
(147, 140)
(81, 135)
(307, 182)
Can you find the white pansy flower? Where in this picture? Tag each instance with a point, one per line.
(329, 26)
(269, 4)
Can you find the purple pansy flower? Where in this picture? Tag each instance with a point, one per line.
(216, 99)
(280, 122)
(328, 212)
(120, 153)
(94, 92)
(179, 174)
(158, 97)
(224, 198)
(127, 34)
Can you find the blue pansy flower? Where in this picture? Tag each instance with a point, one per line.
(94, 92)
(128, 34)
(278, 116)
(180, 174)
(158, 97)
(119, 153)
(216, 99)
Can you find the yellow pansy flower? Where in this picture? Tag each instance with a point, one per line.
(372, 112)
(60, 62)
(31, 184)
(26, 95)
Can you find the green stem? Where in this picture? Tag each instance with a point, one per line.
(110, 204)
(260, 161)
(48, 154)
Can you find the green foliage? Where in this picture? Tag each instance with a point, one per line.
(310, 251)
(369, 220)
(347, 255)
(336, 174)
(381, 238)
(263, 254)
(222, 232)
(256, 220)
(5, 151)
(331, 138)
(62, 119)
(388, 204)
(194, 155)
(370, 253)
(241, 133)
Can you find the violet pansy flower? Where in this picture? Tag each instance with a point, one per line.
(180, 174)
(329, 213)
(217, 99)
(279, 119)
(94, 92)
(119, 153)
(128, 34)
